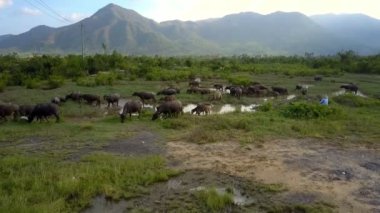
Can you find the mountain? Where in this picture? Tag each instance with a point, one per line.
(357, 28)
(126, 31)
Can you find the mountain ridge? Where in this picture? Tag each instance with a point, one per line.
(126, 31)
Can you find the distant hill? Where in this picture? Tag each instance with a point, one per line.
(357, 28)
(128, 32)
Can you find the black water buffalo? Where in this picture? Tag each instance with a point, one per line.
(8, 110)
(235, 91)
(350, 87)
(168, 98)
(317, 78)
(302, 88)
(90, 99)
(145, 96)
(168, 91)
(130, 107)
(280, 90)
(43, 111)
(205, 108)
(75, 96)
(25, 110)
(112, 99)
(168, 109)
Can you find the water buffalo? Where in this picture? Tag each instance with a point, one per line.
(302, 88)
(8, 110)
(205, 108)
(219, 87)
(58, 100)
(317, 78)
(75, 96)
(25, 110)
(168, 98)
(280, 90)
(144, 96)
(350, 87)
(216, 95)
(168, 91)
(194, 83)
(235, 91)
(43, 111)
(168, 109)
(112, 99)
(130, 107)
(90, 99)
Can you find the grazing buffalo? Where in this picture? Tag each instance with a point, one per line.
(194, 83)
(168, 91)
(112, 99)
(25, 110)
(205, 108)
(350, 87)
(90, 99)
(58, 100)
(318, 78)
(280, 90)
(216, 95)
(75, 96)
(168, 98)
(130, 107)
(302, 88)
(145, 96)
(8, 110)
(168, 109)
(235, 91)
(43, 111)
(219, 87)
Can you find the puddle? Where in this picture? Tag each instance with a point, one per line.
(290, 97)
(238, 197)
(100, 204)
(226, 109)
(188, 108)
(249, 108)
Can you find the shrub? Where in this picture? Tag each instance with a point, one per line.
(32, 83)
(55, 82)
(105, 78)
(86, 81)
(265, 107)
(355, 101)
(302, 110)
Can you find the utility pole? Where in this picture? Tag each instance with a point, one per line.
(82, 38)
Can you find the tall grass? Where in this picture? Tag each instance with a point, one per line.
(37, 184)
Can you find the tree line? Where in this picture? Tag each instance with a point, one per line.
(18, 70)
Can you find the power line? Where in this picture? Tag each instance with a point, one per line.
(38, 8)
(46, 6)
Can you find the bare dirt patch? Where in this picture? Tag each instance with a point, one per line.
(346, 176)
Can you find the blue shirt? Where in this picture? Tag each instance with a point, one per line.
(324, 101)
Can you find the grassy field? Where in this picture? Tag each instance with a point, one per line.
(40, 173)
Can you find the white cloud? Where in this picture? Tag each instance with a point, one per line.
(75, 17)
(30, 12)
(4, 3)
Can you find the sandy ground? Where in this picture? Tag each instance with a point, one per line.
(348, 177)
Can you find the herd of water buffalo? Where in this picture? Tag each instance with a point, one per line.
(168, 105)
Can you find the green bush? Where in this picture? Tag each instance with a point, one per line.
(265, 107)
(300, 110)
(32, 83)
(55, 82)
(105, 78)
(86, 81)
(355, 101)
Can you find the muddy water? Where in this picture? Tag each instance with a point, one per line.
(226, 108)
(237, 196)
(342, 92)
(100, 205)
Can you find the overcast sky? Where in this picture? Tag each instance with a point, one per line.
(17, 16)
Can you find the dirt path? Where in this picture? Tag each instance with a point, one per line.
(346, 177)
